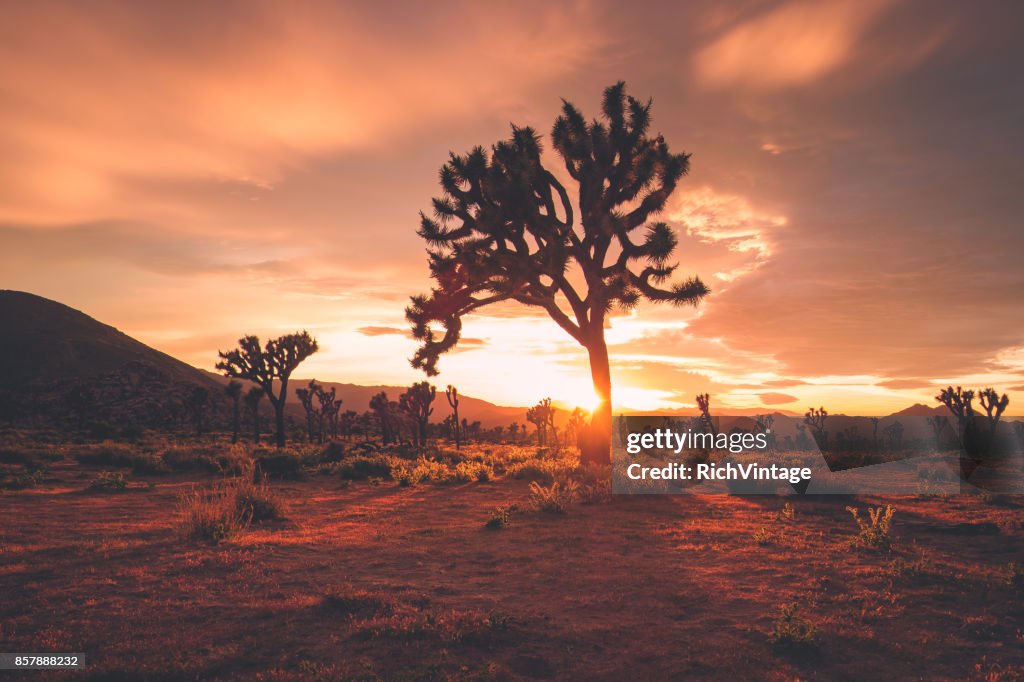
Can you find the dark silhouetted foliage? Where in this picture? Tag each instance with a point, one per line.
(505, 229)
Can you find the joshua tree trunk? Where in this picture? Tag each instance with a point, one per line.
(278, 403)
(596, 446)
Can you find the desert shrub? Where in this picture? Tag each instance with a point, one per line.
(422, 469)
(916, 567)
(501, 516)
(554, 498)
(787, 513)
(358, 604)
(363, 467)
(875, 532)
(472, 471)
(28, 478)
(365, 448)
(211, 515)
(1014, 576)
(109, 481)
(763, 536)
(231, 461)
(256, 501)
(790, 630)
(279, 465)
(107, 454)
(188, 459)
(407, 474)
(29, 457)
(594, 482)
(332, 452)
(543, 470)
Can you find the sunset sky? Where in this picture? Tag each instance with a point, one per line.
(192, 172)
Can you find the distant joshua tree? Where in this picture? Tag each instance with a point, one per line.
(263, 366)
(577, 425)
(252, 405)
(994, 406)
(706, 420)
(452, 394)
(938, 424)
(505, 229)
(764, 425)
(197, 401)
(815, 418)
(541, 415)
(416, 402)
(233, 390)
(379, 404)
(306, 397)
(960, 404)
(894, 432)
(874, 433)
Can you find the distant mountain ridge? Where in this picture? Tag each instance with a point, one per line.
(52, 355)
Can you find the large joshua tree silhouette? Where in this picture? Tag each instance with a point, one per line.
(506, 229)
(264, 365)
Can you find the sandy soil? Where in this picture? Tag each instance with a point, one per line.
(370, 582)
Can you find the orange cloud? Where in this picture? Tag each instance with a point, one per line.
(777, 398)
(794, 44)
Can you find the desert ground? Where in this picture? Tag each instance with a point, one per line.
(460, 567)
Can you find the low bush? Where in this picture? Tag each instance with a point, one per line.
(212, 515)
(107, 454)
(26, 479)
(279, 465)
(363, 467)
(432, 470)
(256, 501)
(471, 471)
(790, 630)
(875, 532)
(109, 481)
(501, 516)
(554, 498)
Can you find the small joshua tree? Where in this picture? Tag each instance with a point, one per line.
(416, 402)
(706, 420)
(452, 394)
(379, 404)
(266, 365)
(576, 426)
(505, 229)
(938, 424)
(233, 390)
(197, 402)
(960, 404)
(252, 404)
(815, 418)
(325, 399)
(306, 397)
(874, 433)
(894, 432)
(994, 406)
(764, 425)
(540, 415)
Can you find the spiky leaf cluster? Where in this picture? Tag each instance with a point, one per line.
(505, 228)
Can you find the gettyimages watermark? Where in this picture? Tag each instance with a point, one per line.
(840, 455)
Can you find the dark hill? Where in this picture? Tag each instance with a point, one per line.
(43, 342)
(60, 366)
